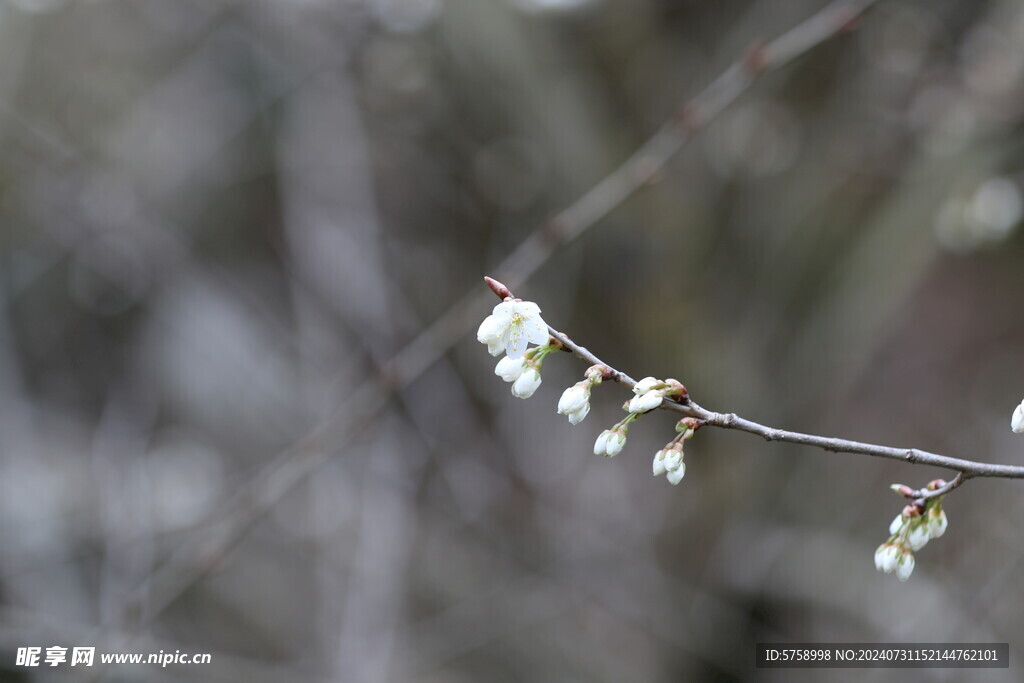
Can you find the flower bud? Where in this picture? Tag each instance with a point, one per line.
(574, 399)
(526, 384)
(616, 441)
(887, 557)
(903, 490)
(905, 566)
(936, 521)
(645, 385)
(919, 535)
(676, 475)
(659, 463)
(595, 373)
(510, 370)
(673, 459)
(579, 415)
(643, 403)
(601, 445)
(896, 525)
(880, 555)
(1017, 421)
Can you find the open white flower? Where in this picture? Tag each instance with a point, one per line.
(511, 326)
(1017, 421)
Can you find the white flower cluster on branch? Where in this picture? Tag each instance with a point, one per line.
(514, 324)
(920, 521)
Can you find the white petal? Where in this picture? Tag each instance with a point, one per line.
(1017, 421)
(892, 557)
(649, 401)
(615, 443)
(937, 524)
(536, 331)
(527, 309)
(676, 475)
(517, 343)
(491, 328)
(645, 385)
(577, 416)
(918, 537)
(504, 311)
(601, 445)
(526, 384)
(905, 567)
(880, 557)
(896, 525)
(510, 370)
(496, 347)
(673, 459)
(573, 399)
(659, 463)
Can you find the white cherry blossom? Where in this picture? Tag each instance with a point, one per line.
(511, 326)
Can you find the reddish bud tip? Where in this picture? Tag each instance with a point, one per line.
(693, 423)
(499, 289)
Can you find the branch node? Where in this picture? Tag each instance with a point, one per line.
(689, 118)
(755, 59)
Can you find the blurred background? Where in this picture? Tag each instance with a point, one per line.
(220, 219)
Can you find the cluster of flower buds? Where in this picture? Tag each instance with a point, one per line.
(650, 391)
(523, 373)
(611, 441)
(920, 521)
(669, 460)
(515, 324)
(575, 401)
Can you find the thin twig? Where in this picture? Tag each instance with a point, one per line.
(965, 469)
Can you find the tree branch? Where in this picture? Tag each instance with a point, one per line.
(965, 469)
